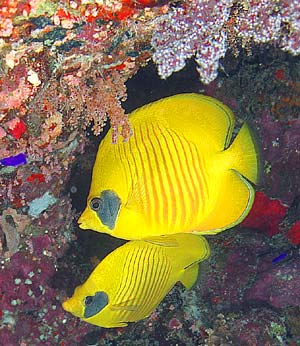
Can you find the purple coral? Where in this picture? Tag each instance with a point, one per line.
(196, 29)
(31, 312)
(207, 28)
(291, 17)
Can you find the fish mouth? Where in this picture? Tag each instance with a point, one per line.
(82, 225)
(67, 306)
(81, 222)
(72, 305)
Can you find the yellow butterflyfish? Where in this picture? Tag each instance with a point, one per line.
(129, 283)
(180, 172)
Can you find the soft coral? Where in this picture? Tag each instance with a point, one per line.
(266, 214)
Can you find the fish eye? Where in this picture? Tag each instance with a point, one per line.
(95, 204)
(88, 300)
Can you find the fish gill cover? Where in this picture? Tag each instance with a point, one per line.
(64, 65)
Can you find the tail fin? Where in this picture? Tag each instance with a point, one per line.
(245, 154)
(238, 168)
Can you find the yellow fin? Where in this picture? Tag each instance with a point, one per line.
(117, 325)
(204, 114)
(245, 154)
(234, 202)
(162, 241)
(121, 324)
(205, 249)
(190, 275)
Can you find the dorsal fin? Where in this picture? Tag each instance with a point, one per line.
(203, 114)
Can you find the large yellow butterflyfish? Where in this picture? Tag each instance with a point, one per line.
(179, 172)
(128, 284)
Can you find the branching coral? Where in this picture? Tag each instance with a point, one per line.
(80, 102)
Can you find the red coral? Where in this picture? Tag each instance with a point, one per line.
(280, 74)
(17, 128)
(144, 3)
(105, 12)
(39, 177)
(293, 233)
(266, 214)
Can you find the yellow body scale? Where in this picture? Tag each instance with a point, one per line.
(179, 172)
(133, 279)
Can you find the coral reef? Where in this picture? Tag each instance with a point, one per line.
(31, 310)
(206, 29)
(251, 274)
(63, 70)
(64, 67)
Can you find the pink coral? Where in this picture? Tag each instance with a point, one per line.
(15, 98)
(2, 133)
(175, 324)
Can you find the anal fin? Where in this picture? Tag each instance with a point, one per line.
(190, 275)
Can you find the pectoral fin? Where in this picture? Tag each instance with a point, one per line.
(118, 324)
(127, 305)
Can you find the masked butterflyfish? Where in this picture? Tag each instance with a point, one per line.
(129, 283)
(181, 171)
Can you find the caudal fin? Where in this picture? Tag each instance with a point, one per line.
(234, 202)
(245, 154)
(238, 168)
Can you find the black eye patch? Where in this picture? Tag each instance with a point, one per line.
(107, 207)
(94, 304)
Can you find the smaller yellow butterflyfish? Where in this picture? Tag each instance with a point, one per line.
(129, 283)
(180, 172)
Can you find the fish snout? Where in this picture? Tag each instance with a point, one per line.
(82, 222)
(67, 306)
(73, 306)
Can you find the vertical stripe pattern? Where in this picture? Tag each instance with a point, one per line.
(145, 281)
(171, 176)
